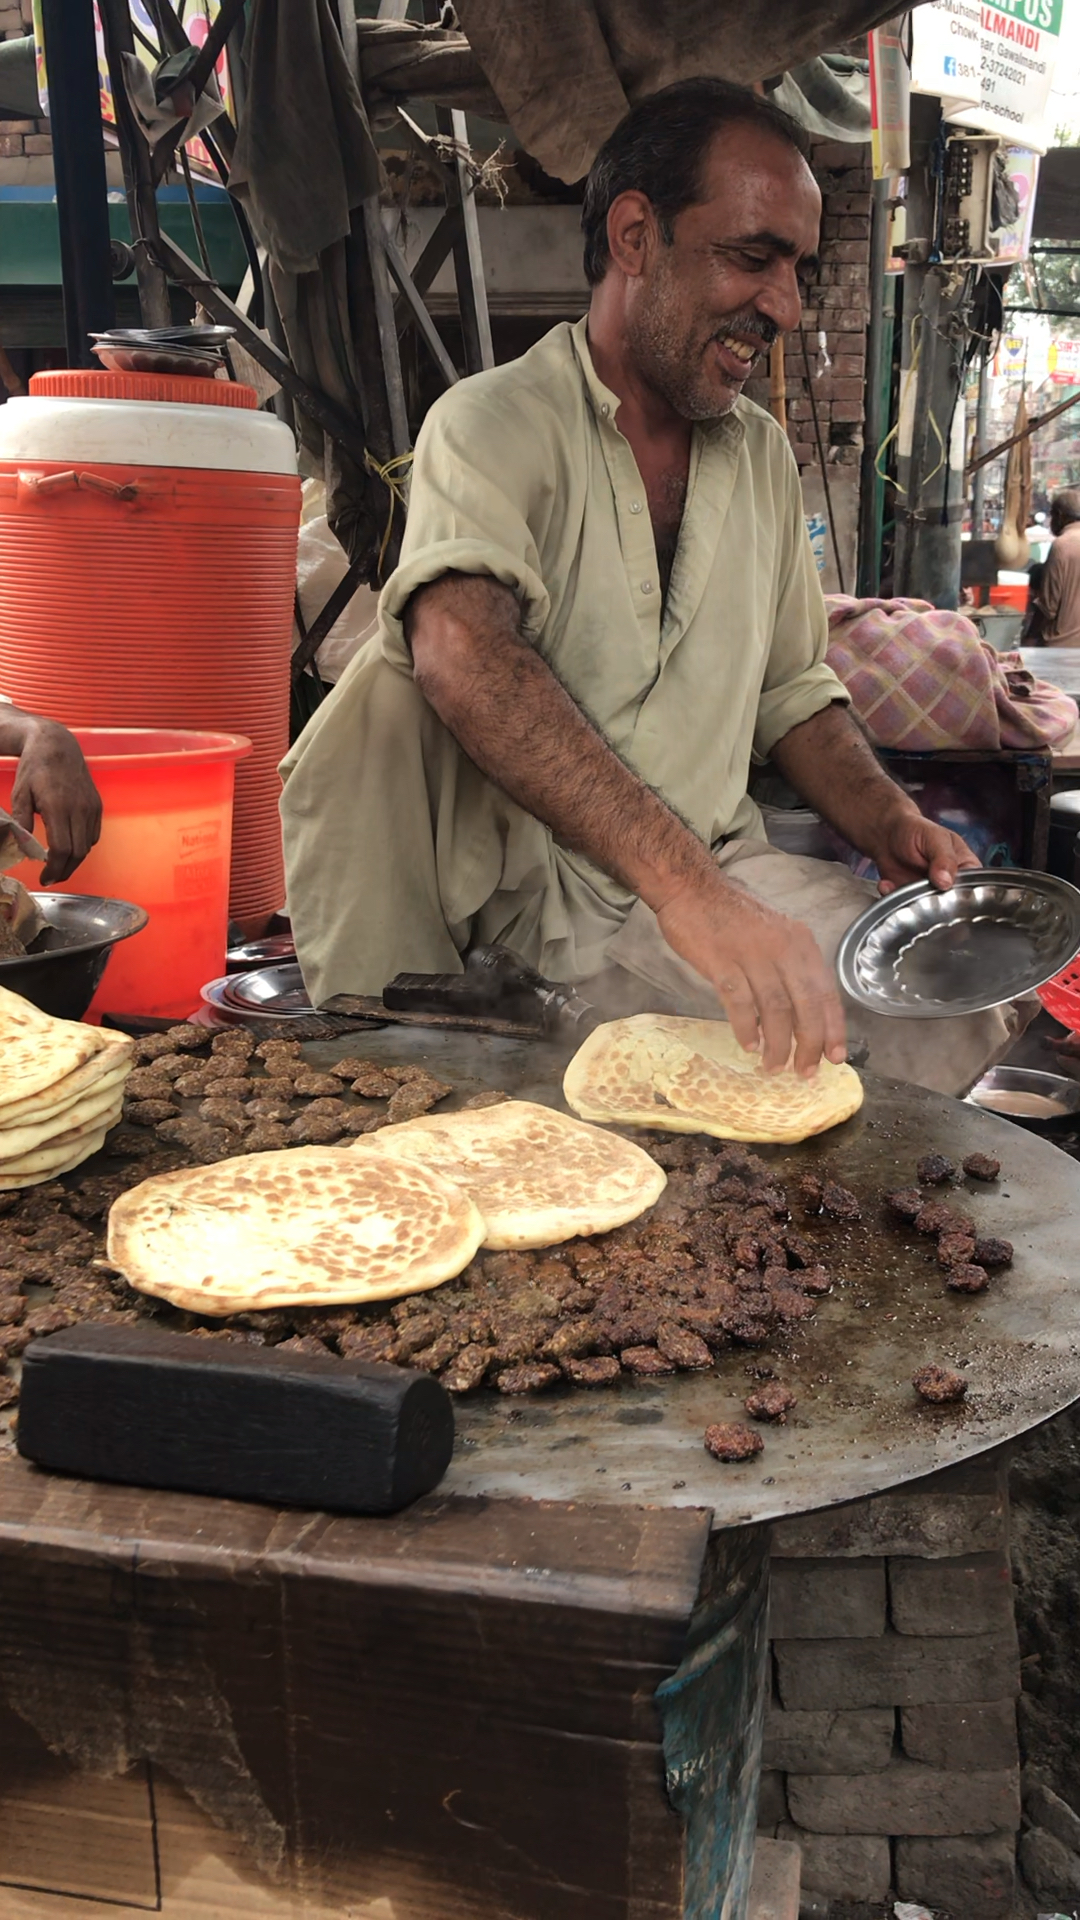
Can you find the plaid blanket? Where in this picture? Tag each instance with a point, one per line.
(920, 678)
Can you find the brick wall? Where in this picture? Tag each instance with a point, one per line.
(891, 1750)
(835, 322)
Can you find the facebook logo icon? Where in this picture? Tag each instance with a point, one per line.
(950, 65)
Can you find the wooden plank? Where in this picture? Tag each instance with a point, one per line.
(68, 1833)
(450, 1710)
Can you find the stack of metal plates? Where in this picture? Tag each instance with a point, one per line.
(262, 997)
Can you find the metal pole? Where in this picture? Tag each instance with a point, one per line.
(79, 164)
(875, 429)
(982, 422)
(929, 508)
(154, 303)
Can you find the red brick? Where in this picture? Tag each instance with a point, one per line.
(843, 1866)
(848, 410)
(905, 1798)
(963, 1596)
(897, 1670)
(854, 226)
(38, 143)
(959, 1738)
(18, 126)
(853, 252)
(849, 366)
(844, 388)
(975, 1879)
(11, 145)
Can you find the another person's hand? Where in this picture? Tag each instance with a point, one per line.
(54, 782)
(913, 848)
(767, 970)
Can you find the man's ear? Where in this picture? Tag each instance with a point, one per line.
(632, 232)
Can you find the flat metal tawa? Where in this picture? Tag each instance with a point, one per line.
(858, 1427)
(924, 953)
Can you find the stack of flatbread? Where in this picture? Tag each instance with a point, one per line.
(402, 1210)
(683, 1075)
(61, 1089)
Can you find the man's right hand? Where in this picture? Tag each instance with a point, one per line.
(767, 970)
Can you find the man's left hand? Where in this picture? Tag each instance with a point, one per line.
(913, 848)
(54, 782)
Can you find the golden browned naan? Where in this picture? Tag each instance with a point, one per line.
(537, 1176)
(685, 1075)
(310, 1226)
(36, 1051)
(112, 1060)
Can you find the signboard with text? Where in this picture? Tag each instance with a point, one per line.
(991, 63)
(198, 17)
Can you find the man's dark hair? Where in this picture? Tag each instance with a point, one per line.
(1066, 506)
(659, 149)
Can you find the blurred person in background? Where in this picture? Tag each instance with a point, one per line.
(1057, 598)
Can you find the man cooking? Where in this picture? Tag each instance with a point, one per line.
(1057, 598)
(606, 609)
(53, 782)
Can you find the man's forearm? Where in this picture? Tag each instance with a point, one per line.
(519, 725)
(831, 766)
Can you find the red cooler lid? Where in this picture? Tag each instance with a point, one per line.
(88, 383)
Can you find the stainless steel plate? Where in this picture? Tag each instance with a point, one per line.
(279, 991)
(271, 952)
(226, 1011)
(921, 953)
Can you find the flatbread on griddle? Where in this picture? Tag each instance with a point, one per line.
(683, 1075)
(537, 1176)
(309, 1226)
(35, 1050)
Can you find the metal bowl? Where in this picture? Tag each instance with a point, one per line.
(1026, 1095)
(61, 970)
(923, 953)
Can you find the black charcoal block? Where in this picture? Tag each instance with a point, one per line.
(159, 1409)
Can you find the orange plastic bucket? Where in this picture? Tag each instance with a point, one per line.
(166, 840)
(148, 531)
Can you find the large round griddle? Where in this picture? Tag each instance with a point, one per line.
(858, 1427)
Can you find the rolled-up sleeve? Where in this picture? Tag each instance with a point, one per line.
(798, 683)
(468, 512)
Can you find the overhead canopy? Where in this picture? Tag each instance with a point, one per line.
(565, 71)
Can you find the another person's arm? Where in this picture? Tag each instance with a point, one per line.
(52, 781)
(522, 729)
(831, 766)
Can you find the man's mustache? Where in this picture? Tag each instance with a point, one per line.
(750, 323)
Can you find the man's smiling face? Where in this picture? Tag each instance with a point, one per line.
(705, 307)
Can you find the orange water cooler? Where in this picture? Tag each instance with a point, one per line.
(148, 529)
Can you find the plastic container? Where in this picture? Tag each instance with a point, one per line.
(165, 844)
(1011, 594)
(148, 528)
(1061, 996)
